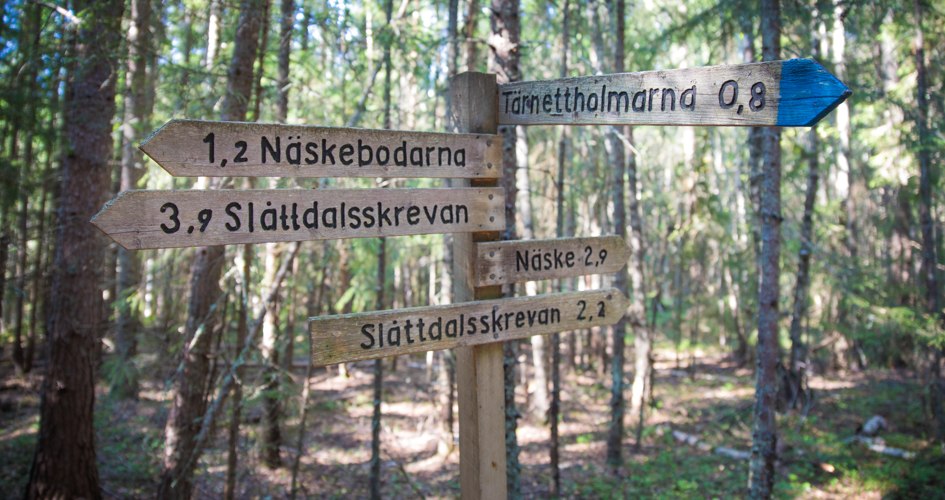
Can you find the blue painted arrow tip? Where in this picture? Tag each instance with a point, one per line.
(808, 93)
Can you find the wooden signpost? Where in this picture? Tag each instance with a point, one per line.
(793, 93)
(782, 93)
(502, 262)
(166, 219)
(216, 149)
(381, 334)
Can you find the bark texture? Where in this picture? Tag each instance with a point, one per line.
(64, 464)
(504, 56)
(764, 430)
(929, 258)
(617, 160)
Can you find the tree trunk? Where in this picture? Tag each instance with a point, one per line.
(555, 407)
(263, 49)
(213, 35)
(375, 480)
(929, 258)
(755, 182)
(64, 464)
(124, 383)
(504, 57)
(472, 52)
(617, 160)
(285, 47)
(272, 436)
(798, 348)
(184, 420)
(847, 185)
(30, 41)
(378, 377)
(539, 342)
(764, 431)
(233, 437)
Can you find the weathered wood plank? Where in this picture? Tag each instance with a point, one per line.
(502, 262)
(479, 369)
(166, 219)
(237, 149)
(794, 93)
(381, 334)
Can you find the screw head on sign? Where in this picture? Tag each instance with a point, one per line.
(491, 219)
(491, 276)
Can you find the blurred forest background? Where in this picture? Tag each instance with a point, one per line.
(182, 373)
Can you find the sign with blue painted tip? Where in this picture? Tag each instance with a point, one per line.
(793, 93)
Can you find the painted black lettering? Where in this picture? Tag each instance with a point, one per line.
(327, 152)
(266, 146)
(236, 217)
(345, 153)
(368, 334)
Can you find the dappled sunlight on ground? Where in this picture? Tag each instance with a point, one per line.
(711, 400)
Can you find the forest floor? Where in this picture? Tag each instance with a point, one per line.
(714, 405)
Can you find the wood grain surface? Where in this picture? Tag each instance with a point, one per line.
(791, 93)
(166, 219)
(355, 337)
(504, 262)
(237, 149)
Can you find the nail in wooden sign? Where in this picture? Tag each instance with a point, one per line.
(218, 149)
(794, 93)
(502, 262)
(355, 337)
(166, 219)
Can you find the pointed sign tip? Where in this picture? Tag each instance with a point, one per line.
(808, 93)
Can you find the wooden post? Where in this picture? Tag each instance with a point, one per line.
(479, 376)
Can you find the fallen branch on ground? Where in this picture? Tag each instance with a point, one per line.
(879, 446)
(702, 445)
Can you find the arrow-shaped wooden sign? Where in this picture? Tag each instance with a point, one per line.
(501, 262)
(218, 149)
(794, 93)
(166, 219)
(355, 337)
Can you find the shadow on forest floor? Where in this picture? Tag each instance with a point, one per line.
(714, 405)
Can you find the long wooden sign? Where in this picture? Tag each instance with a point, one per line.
(219, 149)
(355, 337)
(794, 93)
(166, 219)
(502, 262)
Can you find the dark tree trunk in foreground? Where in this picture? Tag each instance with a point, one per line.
(764, 431)
(187, 410)
(929, 258)
(617, 163)
(505, 54)
(64, 465)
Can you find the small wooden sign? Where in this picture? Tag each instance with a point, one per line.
(794, 93)
(355, 337)
(166, 219)
(218, 149)
(502, 262)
